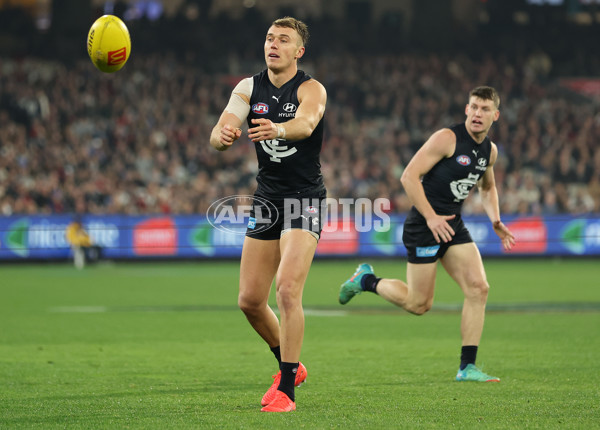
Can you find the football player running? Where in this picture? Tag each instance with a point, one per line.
(437, 180)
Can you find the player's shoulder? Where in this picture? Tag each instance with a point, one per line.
(311, 87)
(244, 87)
(445, 134)
(247, 81)
(313, 83)
(442, 142)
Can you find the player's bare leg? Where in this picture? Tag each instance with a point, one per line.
(260, 259)
(463, 263)
(415, 295)
(297, 252)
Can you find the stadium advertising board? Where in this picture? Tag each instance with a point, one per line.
(43, 237)
(338, 238)
(126, 237)
(155, 236)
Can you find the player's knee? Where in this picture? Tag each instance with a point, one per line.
(419, 307)
(478, 289)
(289, 295)
(249, 305)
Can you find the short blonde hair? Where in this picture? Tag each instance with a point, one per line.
(300, 27)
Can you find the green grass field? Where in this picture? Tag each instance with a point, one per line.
(163, 345)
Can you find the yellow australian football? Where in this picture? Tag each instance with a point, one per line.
(109, 44)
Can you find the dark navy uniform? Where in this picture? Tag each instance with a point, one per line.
(447, 185)
(289, 172)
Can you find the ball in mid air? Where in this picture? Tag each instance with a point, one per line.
(108, 44)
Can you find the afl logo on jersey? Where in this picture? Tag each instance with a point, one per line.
(289, 107)
(463, 160)
(260, 108)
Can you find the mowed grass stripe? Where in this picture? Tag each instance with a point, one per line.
(336, 312)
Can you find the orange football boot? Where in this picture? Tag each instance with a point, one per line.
(270, 394)
(281, 403)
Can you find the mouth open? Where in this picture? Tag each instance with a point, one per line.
(273, 55)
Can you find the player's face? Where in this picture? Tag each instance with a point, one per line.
(480, 115)
(282, 48)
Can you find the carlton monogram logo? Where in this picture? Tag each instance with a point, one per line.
(276, 151)
(462, 187)
(117, 57)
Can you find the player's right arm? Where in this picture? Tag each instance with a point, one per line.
(439, 146)
(227, 130)
(489, 198)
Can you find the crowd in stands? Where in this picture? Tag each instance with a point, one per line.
(74, 140)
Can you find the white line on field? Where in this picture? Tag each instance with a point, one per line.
(79, 309)
(331, 312)
(105, 309)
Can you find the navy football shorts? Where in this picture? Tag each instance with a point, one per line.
(308, 212)
(420, 243)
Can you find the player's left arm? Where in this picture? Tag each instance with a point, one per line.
(312, 98)
(489, 199)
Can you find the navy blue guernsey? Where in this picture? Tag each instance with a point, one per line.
(449, 182)
(285, 167)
